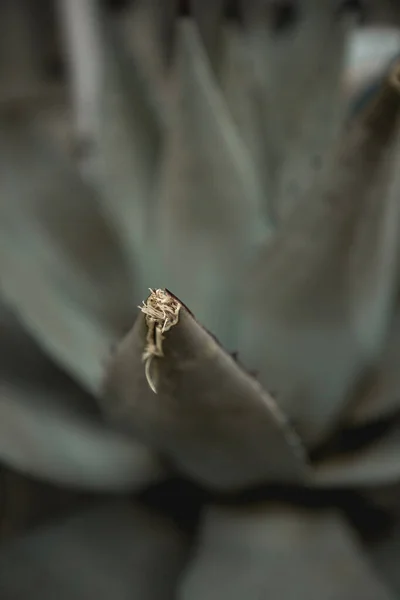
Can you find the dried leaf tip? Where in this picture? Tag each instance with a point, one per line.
(161, 311)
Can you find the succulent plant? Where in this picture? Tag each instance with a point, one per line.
(199, 318)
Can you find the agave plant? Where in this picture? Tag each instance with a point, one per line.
(199, 278)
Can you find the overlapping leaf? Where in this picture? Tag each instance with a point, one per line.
(276, 552)
(299, 99)
(320, 296)
(61, 263)
(210, 201)
(50, 428)
(108, 552)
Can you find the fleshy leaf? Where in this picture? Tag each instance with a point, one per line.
(129, 145)
(189, 399)
(112, 101)
(320, 297)
(114, 551)
(61, 263)
(210, 202)
(298, 93)
(277, 552)
(51, 429)
(80, 25)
